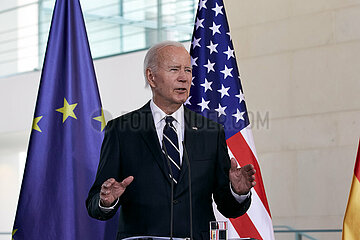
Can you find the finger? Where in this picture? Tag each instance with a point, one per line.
(233, 164)
(108, 183)
(248, 167)
(126, 182)
(252, 178)
(104, 199)
(251, 172)
(103, 196)
(104, 191)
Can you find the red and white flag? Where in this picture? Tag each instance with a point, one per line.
(217, 94)
(351, 224)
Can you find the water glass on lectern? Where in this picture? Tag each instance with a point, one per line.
(218, 230)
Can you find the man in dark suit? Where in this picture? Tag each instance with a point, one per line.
(143, 152)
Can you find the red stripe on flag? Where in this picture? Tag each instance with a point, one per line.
(245, 228)
(357, 164)
(244, 156)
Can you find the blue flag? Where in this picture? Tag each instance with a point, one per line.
(65, 141)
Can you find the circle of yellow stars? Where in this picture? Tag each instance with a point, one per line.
(68, 111)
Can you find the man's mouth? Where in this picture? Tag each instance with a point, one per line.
(180, 89)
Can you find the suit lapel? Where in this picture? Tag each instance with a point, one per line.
(151, 139)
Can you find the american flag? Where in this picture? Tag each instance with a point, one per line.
(217, 94)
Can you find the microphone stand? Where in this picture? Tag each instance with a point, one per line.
(190, 200)
(172, 192)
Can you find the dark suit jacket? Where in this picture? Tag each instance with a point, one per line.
(131, 148)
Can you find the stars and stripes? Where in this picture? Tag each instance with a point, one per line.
(217, 94)
(216, 88)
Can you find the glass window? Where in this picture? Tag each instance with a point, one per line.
(113, 27)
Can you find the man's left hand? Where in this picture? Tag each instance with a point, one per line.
(242, 179)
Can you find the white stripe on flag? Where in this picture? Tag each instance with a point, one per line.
(260, 217)
(247, 135)
(257, 211)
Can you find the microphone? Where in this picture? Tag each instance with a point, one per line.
(172, 191)
(189, 177)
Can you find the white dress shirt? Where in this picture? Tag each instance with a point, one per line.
(159, 121)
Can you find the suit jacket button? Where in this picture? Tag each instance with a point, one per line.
(175, 201)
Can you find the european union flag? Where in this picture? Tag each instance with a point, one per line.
(66, 137)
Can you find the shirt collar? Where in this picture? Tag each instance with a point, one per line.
(159, 114)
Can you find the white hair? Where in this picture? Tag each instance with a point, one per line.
(151, 57)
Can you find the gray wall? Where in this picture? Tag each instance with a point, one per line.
(299, 63)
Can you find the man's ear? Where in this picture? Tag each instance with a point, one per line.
(150, 77)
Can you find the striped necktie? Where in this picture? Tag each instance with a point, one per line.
(172, 147)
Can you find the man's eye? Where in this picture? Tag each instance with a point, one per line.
(188, 70)
(174, 69)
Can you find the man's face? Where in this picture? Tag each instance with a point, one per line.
(171, 81)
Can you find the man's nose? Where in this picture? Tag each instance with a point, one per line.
(182, 75)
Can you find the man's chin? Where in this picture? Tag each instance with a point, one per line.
(182, 101)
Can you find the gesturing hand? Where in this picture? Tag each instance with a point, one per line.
(242, 179)
(111, 190)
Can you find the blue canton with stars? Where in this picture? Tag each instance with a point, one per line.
(216, 91)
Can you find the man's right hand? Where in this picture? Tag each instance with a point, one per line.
(112, 190)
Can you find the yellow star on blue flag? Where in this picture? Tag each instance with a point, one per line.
(67, 110)
(101, 119)
(13, 233)
(35, 125)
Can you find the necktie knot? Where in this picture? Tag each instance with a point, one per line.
(169, 120)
